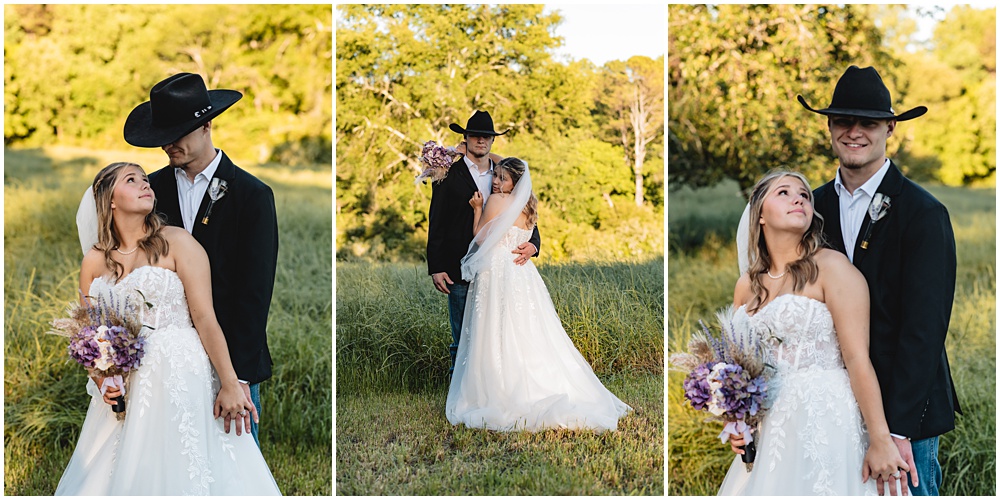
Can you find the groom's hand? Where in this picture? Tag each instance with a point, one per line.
(906, 452)
(524, 251)
(440, 280)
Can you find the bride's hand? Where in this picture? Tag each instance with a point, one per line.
(882, 461)
(735, 441)
(232, 402)
(110, 394)
(476, 201)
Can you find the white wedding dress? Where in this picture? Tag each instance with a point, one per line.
(813, 440)
(516, 369)
(169, 442)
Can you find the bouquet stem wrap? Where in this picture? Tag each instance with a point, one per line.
(115, 382)
(740, 427)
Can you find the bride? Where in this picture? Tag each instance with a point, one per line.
(814, 304)
(169, 442)
(516, 369)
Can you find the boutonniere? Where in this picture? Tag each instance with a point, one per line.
(876, 210)
(216, 190)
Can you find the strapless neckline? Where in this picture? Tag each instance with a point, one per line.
(779, 297)
(131, 275)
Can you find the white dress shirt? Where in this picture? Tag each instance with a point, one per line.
(484, 181)
(190, 194)
(854, 206)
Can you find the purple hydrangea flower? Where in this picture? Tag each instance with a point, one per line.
(126, 352)
(696, 388)
(83, 347)
(734, 394)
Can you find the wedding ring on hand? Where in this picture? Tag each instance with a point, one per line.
(243, 413)
(896, 474)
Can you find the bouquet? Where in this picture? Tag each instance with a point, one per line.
(437, 160)
(727, 377)
(104, 337)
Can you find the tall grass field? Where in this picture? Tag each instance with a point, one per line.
(44, 396)
(392, 382)
(702, 271)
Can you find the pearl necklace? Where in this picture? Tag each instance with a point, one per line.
(132, 251)
(769, 275)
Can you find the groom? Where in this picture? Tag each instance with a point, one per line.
(449, 231)
(906, 251)
(230, 212)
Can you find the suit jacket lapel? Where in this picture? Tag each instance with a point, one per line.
(890, 186)
(226, 171)
(829, 206)
(167, 202)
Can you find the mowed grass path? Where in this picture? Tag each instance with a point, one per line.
(702, 271)
(392, 382)
(44, 397)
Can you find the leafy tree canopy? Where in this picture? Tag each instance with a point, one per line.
(72, 73)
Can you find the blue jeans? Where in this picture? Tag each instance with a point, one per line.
(255, 397)
(456, 313)
(925, 452)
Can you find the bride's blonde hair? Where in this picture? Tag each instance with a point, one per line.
(515, 167)
(153, 243)
(804, 270)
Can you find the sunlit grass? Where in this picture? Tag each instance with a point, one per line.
(399, 443)
(392, 368)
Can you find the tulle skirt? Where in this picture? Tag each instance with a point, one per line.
(811, 442)
(516, 368)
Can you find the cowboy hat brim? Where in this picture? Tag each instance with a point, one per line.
(141, 132)
(867, 113)
(456, 128)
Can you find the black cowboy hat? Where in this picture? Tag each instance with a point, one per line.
(481, 124)
(860, 92)
(176, 107)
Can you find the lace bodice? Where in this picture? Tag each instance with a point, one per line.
(800, 332)
(514, 237)
(161, 287)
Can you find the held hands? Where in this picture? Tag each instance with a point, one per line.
(524, 251)
(476, 201)
(908, 474)
(234, 403)
(883, 462)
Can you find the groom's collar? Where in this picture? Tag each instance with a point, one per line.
(209, 171)
(474, 169)
(869, 187)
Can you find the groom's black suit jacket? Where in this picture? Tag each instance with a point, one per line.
(910, 269)
(449, 230)
(241, 239)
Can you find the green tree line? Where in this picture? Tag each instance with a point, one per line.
(72, 73)
(592, 135)
(735, 70)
